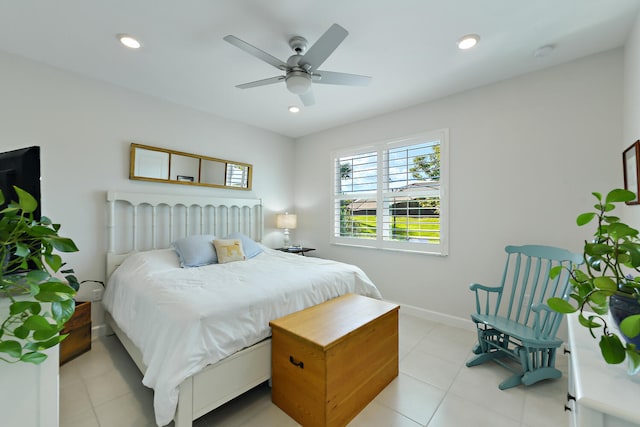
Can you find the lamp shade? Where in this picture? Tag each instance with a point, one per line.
(289, 221)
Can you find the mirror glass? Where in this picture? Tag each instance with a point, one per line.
(175, 167)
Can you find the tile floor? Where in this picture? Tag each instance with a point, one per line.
(102, 388)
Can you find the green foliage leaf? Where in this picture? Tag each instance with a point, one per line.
(597, 249)
(41, 231)
(22, 306)
(45, 334)
(585, 218)
(37, 323)
(561, 306)
(62, 244)
(581, 276)
(37, 276)
(21, 250)
(605, 283)
(34, 357)
(612, 349)
(620, 230)
(630, 326)
(634, 252)
(62, 310)
(54, 291)
(555, 271)
(588, 322)
(599, 298)
(72, 281)
(54, 261)
(619, 195)
(21, 332)
(12, 348)
(43, 345)
(26, 201)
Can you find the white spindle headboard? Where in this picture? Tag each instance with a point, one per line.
(140, 222)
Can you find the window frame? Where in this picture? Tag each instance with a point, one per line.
(381, 149)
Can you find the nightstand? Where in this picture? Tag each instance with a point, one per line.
(79, 330)
(297, 250)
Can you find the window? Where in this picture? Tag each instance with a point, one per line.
(393, 195)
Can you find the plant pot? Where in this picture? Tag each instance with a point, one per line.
(621, 307)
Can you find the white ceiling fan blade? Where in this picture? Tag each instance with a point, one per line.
(252, 50)
(262, 82)
(333, 78)
(307, 98)
(320, 51)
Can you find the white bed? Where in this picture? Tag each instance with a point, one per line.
(201, 334)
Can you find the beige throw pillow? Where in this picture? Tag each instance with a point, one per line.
(229, 250)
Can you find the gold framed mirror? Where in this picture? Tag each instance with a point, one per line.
(176, 167)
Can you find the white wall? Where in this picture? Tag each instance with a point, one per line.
(84, 128)
(632, 87)
(526, 154)
(632, 105)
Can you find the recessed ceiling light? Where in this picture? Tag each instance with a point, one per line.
(294, 109)
(468, 41)
(129, 41)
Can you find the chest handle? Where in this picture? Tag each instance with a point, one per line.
(295, 363)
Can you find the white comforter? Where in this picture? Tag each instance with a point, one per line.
(183, 319)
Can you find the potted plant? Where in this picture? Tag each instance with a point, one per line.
(39, 303)
(607, 277)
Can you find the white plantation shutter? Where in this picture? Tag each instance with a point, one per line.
(393, 196)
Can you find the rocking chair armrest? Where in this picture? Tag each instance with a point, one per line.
(475, 287)
(537, 308)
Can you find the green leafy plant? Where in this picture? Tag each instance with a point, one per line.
(611, 260)
(40, 303)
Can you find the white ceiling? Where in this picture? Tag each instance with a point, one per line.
(407, 46)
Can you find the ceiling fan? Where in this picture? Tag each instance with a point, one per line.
(301, 69)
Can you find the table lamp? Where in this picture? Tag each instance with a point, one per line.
(287, 222)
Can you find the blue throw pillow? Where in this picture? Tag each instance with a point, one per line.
(195, 251)
(249, 246)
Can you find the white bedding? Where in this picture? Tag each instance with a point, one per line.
(183, 319)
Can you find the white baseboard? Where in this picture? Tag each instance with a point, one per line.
(98, 331)
(435, 316)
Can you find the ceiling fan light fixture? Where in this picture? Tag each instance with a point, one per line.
(298, 82)
(294, 109)
(468, 41)
(129, 41)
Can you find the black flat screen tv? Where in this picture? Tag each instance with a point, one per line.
(22, 169)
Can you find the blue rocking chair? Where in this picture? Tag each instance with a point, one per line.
(514, 323)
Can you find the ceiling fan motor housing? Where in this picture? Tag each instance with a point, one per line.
(299, 44)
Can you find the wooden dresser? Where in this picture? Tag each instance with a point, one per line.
(330, 360)
(79, 330)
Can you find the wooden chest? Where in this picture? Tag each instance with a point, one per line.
(79, 330)
(329, 361)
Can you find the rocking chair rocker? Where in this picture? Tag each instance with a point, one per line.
(524, 330)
